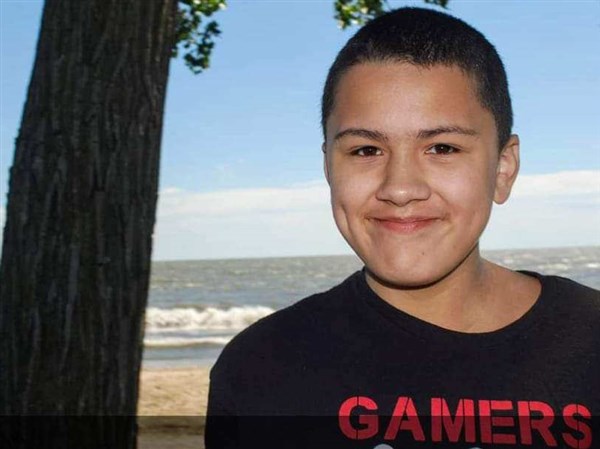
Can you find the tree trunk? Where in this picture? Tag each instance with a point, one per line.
(75, 267)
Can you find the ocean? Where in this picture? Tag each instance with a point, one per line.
(196, 307)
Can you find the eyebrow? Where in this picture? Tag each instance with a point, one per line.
(422, 134)
(453, 129)
(361, 132)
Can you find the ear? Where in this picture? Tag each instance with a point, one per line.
(507, 169)
(325, 168)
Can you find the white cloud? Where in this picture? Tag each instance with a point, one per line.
(556, 209)
(559, 183)
(177, 203)
(549, 210)
(246, 223)
(545, 221)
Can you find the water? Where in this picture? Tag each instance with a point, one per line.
(196, 307)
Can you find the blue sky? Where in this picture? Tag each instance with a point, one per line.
(241, 168)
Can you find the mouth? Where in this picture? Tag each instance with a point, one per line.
(405, 225)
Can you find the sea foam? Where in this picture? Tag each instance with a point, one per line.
(210, 318)
(169, 342)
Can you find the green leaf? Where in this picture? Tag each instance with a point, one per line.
(195, 37)
(359, 12)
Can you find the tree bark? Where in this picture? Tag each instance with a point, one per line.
(75, 268)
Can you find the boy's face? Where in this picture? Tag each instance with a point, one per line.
(413, 164)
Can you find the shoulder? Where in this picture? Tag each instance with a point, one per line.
(570, 309)
(287, 322)
(284, 334)
(572, 294)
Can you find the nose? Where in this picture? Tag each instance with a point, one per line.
(403, 181)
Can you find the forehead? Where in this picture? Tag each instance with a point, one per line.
(401, 98)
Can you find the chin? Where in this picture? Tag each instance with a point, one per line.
(413, 272)
(405, 276)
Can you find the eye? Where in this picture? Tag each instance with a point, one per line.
(442, 149)
(366, 151)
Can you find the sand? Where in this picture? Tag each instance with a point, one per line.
(172, 407)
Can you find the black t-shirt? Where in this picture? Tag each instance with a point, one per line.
(344, 368)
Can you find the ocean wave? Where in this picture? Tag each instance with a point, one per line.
(171, 342)
(190, 319)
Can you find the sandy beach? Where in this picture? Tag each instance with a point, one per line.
(172, 407)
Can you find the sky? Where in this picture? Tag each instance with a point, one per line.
(241, 165)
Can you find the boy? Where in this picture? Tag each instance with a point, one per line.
(429, 345)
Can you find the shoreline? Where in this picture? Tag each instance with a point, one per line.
(172, 406)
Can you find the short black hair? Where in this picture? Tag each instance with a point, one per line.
(425, 37)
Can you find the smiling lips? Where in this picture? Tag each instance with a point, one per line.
(405, 225)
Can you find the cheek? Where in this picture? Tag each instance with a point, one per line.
(351, 191)
(470, 194)
(350, 198)
(343, 202)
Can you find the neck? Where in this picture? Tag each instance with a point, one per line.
(463, 300)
